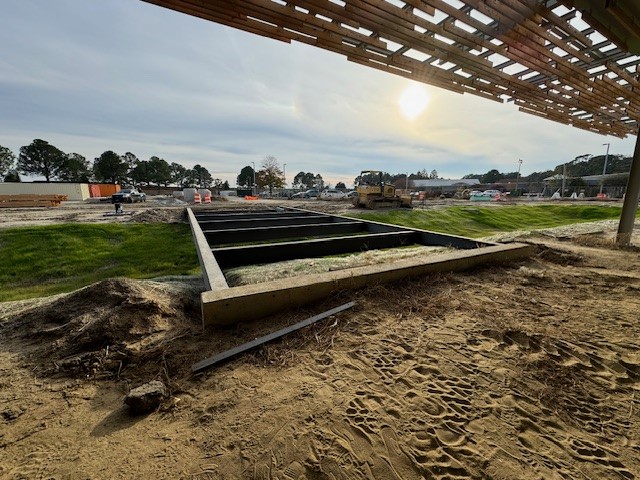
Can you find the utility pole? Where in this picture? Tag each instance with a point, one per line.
(604, 170)
(518, 176)
(254, 186)
(406, 184)
(564, 177)
(284, 170)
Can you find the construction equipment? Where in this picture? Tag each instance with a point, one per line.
(373, 193)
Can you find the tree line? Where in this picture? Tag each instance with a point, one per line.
(271, 176)
(43, 159)
(581, 166)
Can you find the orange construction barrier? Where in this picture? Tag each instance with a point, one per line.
(207, 197)
(196, 198)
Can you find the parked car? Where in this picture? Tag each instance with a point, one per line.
(332, 194)
(298, 195)
(128, 195)
(491, 193)
(351, 194)
(313, 193)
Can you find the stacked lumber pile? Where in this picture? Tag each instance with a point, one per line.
(12, 201)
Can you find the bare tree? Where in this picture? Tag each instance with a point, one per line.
(271, 174)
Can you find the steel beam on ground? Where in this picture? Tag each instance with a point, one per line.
(230, 257)
(261, 234)
(426, 237)
(212, 215)
(435, 239)
(228, 224)
(267, 338)
(631, 197)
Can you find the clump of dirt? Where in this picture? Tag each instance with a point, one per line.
(559, 257)
(161, 215)
(99, 329)
(602, 240)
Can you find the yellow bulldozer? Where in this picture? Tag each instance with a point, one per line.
(373, 193)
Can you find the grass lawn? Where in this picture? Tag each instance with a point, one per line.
(474, 222)
(40, 261)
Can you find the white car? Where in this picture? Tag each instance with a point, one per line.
(332, 195)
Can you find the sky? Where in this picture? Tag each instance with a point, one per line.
(89, 76)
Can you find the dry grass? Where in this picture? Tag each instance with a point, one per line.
(254, 274)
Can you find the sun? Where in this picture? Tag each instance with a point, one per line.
(413, 101)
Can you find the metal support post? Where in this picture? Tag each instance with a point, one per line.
(254, 188)
(604, 170)
(631, 197)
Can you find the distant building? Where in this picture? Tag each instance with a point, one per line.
(589, 180)
(614, 184)
(433, 183)
(443, 186)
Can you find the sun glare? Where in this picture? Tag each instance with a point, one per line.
(413, 101)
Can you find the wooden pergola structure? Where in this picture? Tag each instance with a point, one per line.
(570, 61)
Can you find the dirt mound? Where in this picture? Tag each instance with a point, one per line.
(161, 215)
(603, 240)
(104, 326)
(558, 257)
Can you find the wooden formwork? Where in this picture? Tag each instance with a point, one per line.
(223, 241)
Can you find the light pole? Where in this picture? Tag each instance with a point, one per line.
(406, 185)
(518, 175)
(254, 177)
(284, 170)
(604, 170)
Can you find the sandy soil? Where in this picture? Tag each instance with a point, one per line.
(523, 371)
(162, 209)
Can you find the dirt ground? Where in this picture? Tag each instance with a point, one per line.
(529, 370)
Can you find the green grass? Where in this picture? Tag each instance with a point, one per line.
(39, 261)
(475, 222)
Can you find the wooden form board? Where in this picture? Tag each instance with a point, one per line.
(542, 55)
(28, 200)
